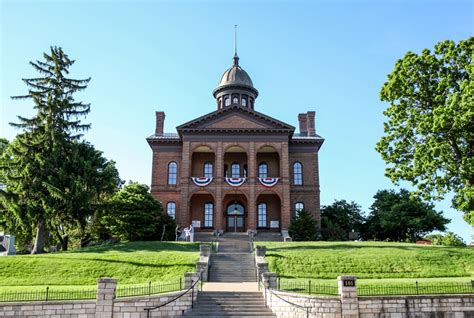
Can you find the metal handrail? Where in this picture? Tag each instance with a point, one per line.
(193, 283)
(304, 308)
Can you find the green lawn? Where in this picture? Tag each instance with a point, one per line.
(369, 260)
(130, 263)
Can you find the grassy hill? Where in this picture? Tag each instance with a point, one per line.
(369, 260)
(130, 263)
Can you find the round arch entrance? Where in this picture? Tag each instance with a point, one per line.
(235, 217)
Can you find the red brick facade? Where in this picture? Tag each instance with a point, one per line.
(236, 141)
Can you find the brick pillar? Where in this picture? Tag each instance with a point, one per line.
(270, 280)
(184, 217)
(218, 225)
(348, 293)
(285, 180)
(311, 124)
(105, 297)
(160, 123)
(252, 164)
(303, 121)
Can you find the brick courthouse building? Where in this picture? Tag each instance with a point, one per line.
(236, 169)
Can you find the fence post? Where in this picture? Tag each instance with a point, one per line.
(180, 283)
(279, 285)
(192, 294)
(309, 287)
(149, 288)
(348, 293)
(47, 292)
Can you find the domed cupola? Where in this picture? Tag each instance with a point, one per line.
(235, 87)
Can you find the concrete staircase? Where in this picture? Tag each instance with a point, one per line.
(233, 267)
(229, 304)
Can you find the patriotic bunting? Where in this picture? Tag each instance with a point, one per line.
(268, 182)
(235, 182)
(201, 182)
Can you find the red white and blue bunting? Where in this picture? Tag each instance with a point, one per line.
(202, 182)
(268, 182)
(235, 182)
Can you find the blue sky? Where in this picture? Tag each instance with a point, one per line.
(143, 56)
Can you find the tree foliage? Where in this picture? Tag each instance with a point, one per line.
(303, 227)
(429, 134)
(133, 214)
(340, 218)
(52, 178)
(401, 217)
(448, 239)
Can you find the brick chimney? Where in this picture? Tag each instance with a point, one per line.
(302, 119)
(311, 126)
(160, 123)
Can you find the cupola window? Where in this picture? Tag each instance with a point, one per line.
(227, 101)
(235, 100)
(244, 102)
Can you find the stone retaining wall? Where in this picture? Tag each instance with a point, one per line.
(53, 309)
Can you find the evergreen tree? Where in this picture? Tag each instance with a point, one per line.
(340, 218)
(39, 172)
(303, 227)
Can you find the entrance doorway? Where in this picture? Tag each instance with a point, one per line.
(235, 217)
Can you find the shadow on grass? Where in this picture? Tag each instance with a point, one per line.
(140, 246)
(138, 264)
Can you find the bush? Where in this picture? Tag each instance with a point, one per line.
(133, 214)
(449, 239)
(303, 227)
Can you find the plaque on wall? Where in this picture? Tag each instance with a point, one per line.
(274, 224)
(196, 223)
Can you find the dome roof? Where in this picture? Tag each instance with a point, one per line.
(235, 75)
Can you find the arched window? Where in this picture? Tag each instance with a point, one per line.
(244, 102)
(235, 170)
(208, 214)
(262, 214)
(227, 101)
(207, 170)
(235, 100)
(299, 206)
(263, 170)
(172, 172)
(297, 173)
(171, 210)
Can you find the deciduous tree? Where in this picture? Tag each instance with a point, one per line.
(340, 218)
(401, 217)
(429, 134)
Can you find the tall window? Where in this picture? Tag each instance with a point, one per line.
(244, 102)
(208, 214)
(235, 100)
(172, 172)
(227, 101)
(263, 170)
(171, 210)
(299, 206)
(262, 215)
(298, 173)
(207, 170)
(235, 170)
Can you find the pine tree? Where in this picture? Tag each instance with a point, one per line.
(303, 227)
(35, 175)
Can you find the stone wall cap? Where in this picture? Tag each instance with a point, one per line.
(106, 280)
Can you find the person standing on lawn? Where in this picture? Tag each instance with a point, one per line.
(187, 233)
(191, 232)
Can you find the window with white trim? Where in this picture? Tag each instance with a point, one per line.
(207, 170)
(297, 173)
(171, 210)
(172, 172)
(299, 206)
(208, 214)
(263, 170)
(235, 170)
(262, 214)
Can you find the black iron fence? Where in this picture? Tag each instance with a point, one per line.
(416, 289)
(310, 287)
(149, 288)
(48, 294)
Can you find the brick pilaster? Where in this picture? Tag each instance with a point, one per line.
(252, 164)
(218, 224)
(285, 179)
(184, 215)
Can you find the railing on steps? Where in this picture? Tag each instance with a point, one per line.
(191, 288)
(272, 292)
